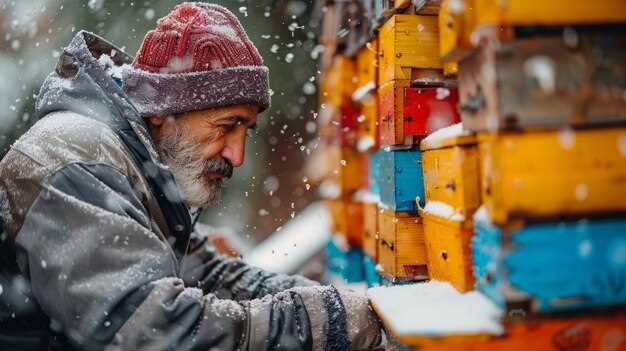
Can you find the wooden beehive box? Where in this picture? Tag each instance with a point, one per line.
(346, 168)
(338, 83)
(552, 174)
(408, 43)
(401, 179)
(401, 246)
(448, 248)
(550, 12)
(370, 230)
(456, 23)
(374, 172)
(544, 82)
(410, 112)
(355, 223)
(338, 215)
(551, 267)
(451, 169)
(366, 95)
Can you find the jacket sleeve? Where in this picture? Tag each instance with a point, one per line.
(108, 282)
(231, 278)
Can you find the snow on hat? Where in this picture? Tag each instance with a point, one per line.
(198, 57)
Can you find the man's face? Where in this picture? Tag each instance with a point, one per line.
(202, 148)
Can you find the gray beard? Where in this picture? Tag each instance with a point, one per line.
(181, 155)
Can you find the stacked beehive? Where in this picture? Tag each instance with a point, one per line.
(544, 93)
(415, 99)
(342, 127)
(541, 152)
(382, 91)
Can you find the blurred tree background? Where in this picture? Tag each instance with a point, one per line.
(271, 187)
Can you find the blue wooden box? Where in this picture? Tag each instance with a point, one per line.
(348, 265)
(552, 267)
(401, 179)
(374, 172)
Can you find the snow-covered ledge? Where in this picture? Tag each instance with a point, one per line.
(296, 243)
(435, 309)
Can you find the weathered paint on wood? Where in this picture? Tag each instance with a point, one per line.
(408, 42)
(544, 83)
(451, 173)
(448, 248)
(554, 266)
(401, 179)
(401, 247)
(549, 174)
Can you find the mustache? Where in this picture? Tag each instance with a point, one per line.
(220, 166)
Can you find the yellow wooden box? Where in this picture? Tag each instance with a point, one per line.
(456, 23)
(338, 83)
(548, 174)
(367, 70)
(370, 230)
(451, 172)
(548, 12)
(448, 248)
(408, 42)
(401, 246)
(347, 168)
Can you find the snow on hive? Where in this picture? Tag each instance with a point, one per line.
(435, 309)
(442, 134)
(443, 210)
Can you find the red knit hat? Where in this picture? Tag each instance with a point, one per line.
(198, 57)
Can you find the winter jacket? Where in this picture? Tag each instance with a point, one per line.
(98, 251)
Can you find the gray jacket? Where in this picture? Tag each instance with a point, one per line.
(98, 251)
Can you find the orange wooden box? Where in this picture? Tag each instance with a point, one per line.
(338, 216)
(401, 246)
(354, 218)
(573, 334)
(448, 248)
(370, 230)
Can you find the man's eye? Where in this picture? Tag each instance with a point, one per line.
(227, 128)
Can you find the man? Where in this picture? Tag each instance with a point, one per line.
(98, 251)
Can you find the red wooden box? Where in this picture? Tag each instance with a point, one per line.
(409, 113)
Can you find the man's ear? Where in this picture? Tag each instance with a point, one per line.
(156, 121)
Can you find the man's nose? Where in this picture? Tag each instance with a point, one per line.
(235, 147)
